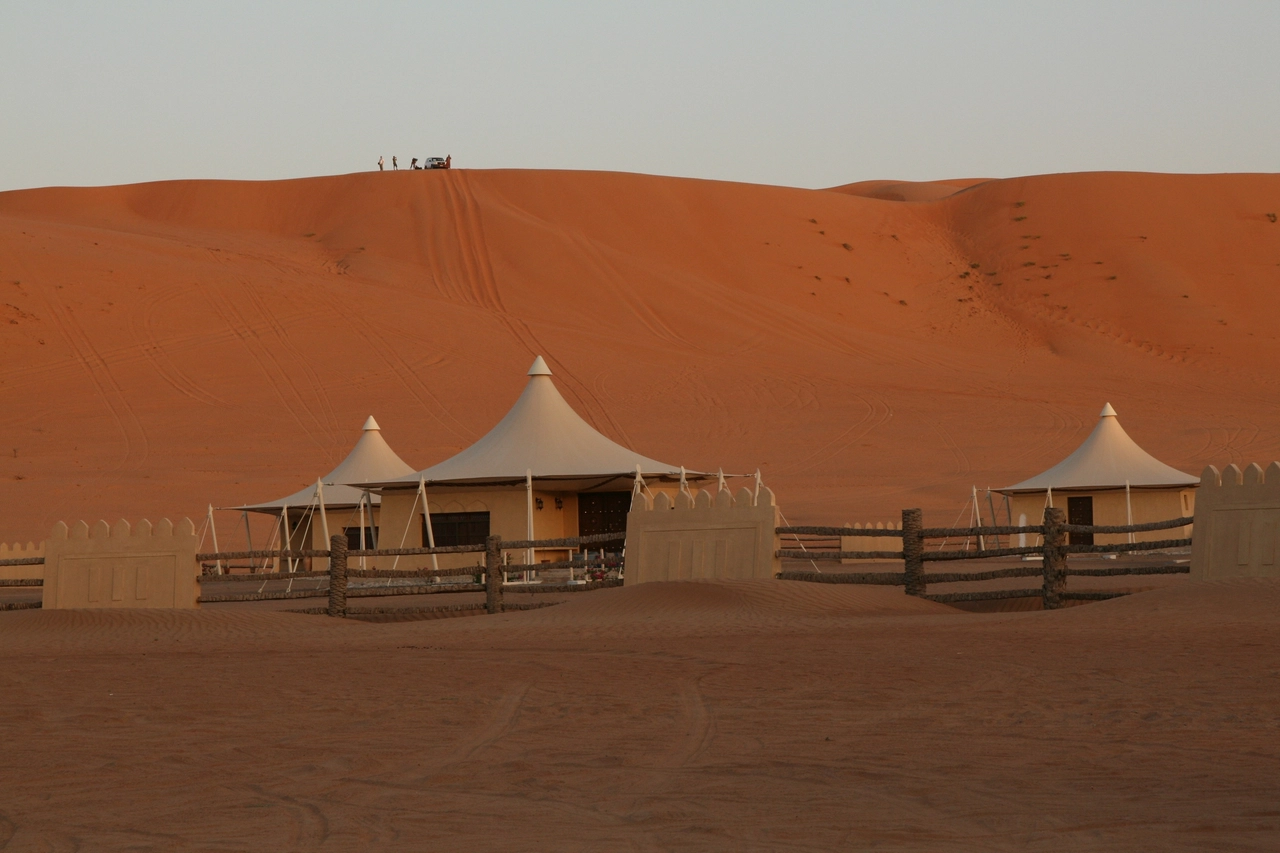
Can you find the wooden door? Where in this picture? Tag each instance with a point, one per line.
(1080, 511)
(603, 512)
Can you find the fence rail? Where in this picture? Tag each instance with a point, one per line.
(1053, 551)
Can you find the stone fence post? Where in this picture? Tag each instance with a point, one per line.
(493, 574)
(1055, 558)
(913, 551)
(337, 575)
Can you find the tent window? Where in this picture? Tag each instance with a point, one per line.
(603, 512)
(457, 528)
(1080, 511)
(353, 538)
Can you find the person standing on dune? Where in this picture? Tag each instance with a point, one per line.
(394, 165)
(379, 162)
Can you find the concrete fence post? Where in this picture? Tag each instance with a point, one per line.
(1055, 557)
(913, 551)
(493, 574)
(337, 575)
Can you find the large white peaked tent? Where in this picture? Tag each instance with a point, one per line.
(1108, 459)
(371, 461)
(542, 472)
(1107, 480)
(339, 500)
(544, 438)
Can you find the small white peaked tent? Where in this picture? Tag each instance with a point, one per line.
(542, 472)
(1108, 480)
(338, 501)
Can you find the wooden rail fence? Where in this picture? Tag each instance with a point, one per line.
(489, 575)
(1053, 552)
(333, 583)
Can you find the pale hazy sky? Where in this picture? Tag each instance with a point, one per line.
(798, 93)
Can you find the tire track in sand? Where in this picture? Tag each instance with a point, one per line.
(310, 823)
(104, 382)
(484, 292)
(360, 327)
(145, 332)
(277, 377)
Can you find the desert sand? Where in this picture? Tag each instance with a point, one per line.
(870, 347)
(752, 715)
(170, 345)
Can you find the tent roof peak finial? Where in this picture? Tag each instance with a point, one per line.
(1108, 412)
(539, 368)
(371, 424)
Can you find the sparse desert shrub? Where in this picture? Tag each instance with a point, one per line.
(847, 247)
(1019, 218)
(1271, 216)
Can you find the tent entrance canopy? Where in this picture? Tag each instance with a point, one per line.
(544, 440)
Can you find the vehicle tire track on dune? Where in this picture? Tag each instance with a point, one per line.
(877, 414)
(478, 265)
(303, 363)
(277, 377)
(963, 465)
(144, 331)
(617, 283)
(104, 382)
(360, 328)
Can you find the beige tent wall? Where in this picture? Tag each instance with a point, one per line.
(1109, 509)
(508, 518)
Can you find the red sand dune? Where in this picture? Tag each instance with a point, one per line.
(173, 344)
(763, 715)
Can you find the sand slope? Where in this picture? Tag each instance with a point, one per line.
(169, 345)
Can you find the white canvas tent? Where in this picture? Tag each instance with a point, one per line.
(340, 498)
(1109, 480)
(534, 475)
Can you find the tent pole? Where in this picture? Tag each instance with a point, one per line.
(426, 514)
(324, 518)
(360, 506)
(528, 493)
(1128, 506)
(992, 506)
(286, 543)
(755, 499)
(977, 515)
(214, 531)
(248, 534)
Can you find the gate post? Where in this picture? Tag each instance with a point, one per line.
(1055, 558)
(493, 574)
(913, 551)
(337, 575)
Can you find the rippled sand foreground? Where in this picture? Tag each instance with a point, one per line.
(702, 716)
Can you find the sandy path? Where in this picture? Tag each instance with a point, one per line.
(754, 716)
